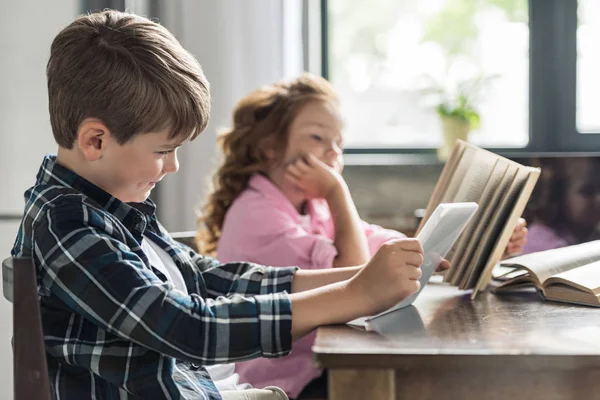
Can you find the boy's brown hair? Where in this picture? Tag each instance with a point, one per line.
(127, 71)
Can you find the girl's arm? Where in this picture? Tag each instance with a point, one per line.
(317, 179)
(350, 239)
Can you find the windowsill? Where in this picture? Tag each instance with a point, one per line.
(390, 159)
(430, 158)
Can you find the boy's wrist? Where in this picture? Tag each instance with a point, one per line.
(359, 296)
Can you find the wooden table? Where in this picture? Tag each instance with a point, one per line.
(509, 346)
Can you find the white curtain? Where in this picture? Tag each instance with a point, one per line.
(241, 45)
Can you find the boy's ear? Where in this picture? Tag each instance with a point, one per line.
(92, 136)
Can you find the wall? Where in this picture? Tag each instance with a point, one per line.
(240, 46)
(388, 195)
(27, 28)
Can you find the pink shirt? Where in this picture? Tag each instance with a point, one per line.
(541, 237)
(262, 226)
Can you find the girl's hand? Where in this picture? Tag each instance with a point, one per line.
(517, 240)
(315, 178)
(443, 267)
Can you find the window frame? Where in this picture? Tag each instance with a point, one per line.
(552, 88)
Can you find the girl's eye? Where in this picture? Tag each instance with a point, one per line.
(316, 138)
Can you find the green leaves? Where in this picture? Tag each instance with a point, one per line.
(463, 112)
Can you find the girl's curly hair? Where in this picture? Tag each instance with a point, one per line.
(260, 120)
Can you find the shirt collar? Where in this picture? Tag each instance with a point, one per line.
(54, 174)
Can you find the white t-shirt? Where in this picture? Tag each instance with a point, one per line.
(223, 375)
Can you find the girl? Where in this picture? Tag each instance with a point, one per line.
(564, 208)
(279, 199)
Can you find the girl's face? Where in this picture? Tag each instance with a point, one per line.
(583, 196)
(317, 130)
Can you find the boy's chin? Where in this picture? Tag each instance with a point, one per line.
(137, 198)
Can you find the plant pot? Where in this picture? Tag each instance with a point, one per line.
(452, 129)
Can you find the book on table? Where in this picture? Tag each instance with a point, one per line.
(569, 274)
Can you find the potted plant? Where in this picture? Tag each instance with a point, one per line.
(458, 119)
(457, 110)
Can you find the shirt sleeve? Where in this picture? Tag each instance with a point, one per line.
(540, 237)
(376, 236)
(242, 278)
(273, 237)
(99, 277)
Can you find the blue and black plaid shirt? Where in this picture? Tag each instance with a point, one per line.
(114, 326)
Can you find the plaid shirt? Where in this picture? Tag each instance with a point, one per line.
(114, 326)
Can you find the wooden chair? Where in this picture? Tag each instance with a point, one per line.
(186, 237)
(29, 354)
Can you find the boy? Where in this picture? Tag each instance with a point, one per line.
(126, 311)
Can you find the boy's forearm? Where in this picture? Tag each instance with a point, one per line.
(311, 279)
(330, 304)
(350, 240)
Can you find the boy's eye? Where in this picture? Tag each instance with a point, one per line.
(316, 138)
(164, 153)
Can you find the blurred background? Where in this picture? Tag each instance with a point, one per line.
(521, 76)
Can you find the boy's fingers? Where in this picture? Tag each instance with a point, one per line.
(410, 245)
(414, 273)
(414, 258)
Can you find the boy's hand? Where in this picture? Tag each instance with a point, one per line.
(390, 276)
(517, 240)
(314, 177)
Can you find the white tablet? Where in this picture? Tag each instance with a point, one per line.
(437, 237)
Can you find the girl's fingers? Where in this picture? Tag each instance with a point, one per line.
(295, 170)
(293, 179)
(293, 173)
(302, 166)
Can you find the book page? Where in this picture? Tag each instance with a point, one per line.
(466, 260)
(517, 206)
(457, 256)
(491, 237)
(443, 181)
(471, 186)
(586, 278)
(457, 179)
(545, 264)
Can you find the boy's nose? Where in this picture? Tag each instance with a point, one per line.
(171, 164)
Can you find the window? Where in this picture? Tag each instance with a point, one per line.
(386, 60)
(537, 61)
(588, 67)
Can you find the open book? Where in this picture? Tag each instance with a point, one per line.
(501, 188)
(569, 274)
